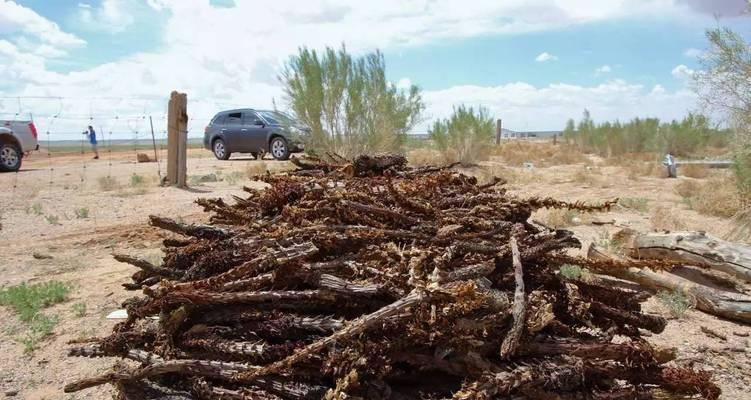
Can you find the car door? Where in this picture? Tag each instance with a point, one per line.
(254, 133)
(232, 131)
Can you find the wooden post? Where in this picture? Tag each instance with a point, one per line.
(177, 137)
(498, 131)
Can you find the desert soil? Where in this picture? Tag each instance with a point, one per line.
(38, 216)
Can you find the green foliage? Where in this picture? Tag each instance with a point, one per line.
(348, 103)
(29, 300)
(82, 213)
(575, 272)
(107, 183)
(39, 328)
(36, 208)
(52, 219)
(682, 138)
(742, 171)
(676, 302)
(79, 309)
(635, 203)
(137, 180)
(466, 136)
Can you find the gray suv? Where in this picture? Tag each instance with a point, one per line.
(255, 132)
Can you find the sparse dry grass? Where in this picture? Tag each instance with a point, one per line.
(255, 168)
(716, 197)
(518, 152)
(514, 176)
(667, 219)
(587, 175)
(425, 156)
(643, 169)
(560, 218)
(693, 171)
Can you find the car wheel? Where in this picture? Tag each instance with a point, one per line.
(220, 150)
(10, 157)
(279, 149)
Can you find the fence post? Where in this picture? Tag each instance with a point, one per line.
(177, 137)
(498, 125)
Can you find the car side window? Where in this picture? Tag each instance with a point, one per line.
(233, 119)
(218, 120)
(249, 118)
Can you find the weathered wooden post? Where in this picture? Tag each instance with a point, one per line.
(498, 126)
(177, 138)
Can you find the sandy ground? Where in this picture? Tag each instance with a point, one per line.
(38, 213)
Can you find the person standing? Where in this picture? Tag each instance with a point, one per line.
(669, 162)
(92, 139)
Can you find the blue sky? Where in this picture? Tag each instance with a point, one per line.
(535, 63)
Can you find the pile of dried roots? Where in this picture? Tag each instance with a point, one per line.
(372, 280)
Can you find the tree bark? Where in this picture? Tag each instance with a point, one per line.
(725, 304)
(695, 248)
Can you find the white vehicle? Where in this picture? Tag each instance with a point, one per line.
(17, 139)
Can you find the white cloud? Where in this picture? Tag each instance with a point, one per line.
(111, 16)
(545, 57)
(682, 72)
(259, 36)
(404, 83)
(17, 19)
(604, 69)
(523, 106)
(693, 53)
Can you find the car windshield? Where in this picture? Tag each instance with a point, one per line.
(276, 117)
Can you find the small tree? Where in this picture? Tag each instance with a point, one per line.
(724, 85)
(466, 136)
(348, 103)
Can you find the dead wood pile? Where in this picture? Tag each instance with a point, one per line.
(372, 280)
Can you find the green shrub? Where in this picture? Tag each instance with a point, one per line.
(676, 302)
(347, 102)
(52, 219)
(28, 300)
(82, 213)
(36, 208)
(466, 136)
(79, 309)
(137, 180)
(575, 272)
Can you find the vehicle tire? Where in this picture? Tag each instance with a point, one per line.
(10, 157)
(220, 149)
(279, 148)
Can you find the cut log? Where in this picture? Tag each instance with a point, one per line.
(695, 248)
(725, 304)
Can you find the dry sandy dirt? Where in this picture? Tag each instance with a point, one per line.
(38, 215)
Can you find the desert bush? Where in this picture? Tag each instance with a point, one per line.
(717, 197)
(28, 300)
(137, 180)
(107, 183)
(693, 171)
(79, 310)
(52, 219)
(676, 302)
(36, 208)
(82, 213)
(466, 136)
(575, 272)
(587, 175)
(686, 137)
(665, 218)
(348, 103)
